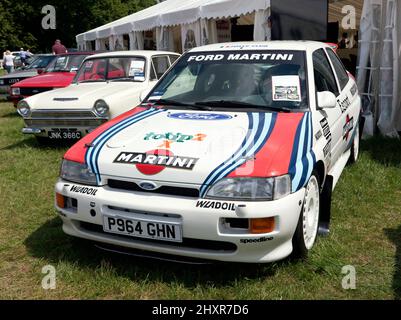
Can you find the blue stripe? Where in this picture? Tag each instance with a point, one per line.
(306, 154)
(264, 129)
(100, 138)
(92, 154)
(298, 163)
(252, 131)
(95, 141)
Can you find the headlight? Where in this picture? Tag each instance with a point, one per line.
(253, 189)
(77, 172)
(101, 108)
(23, 109)
(15, 91)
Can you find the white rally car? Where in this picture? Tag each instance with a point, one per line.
(105, 86)
(232, 156)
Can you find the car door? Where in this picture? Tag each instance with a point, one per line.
(348, 100)
(330, 119)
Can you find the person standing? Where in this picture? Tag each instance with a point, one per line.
(23, 56)
(8, 61)
(58, 47)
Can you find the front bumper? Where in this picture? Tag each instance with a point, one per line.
(204, 234)
(42, 127)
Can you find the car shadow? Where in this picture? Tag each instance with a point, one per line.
(385, 151)
(13, 114)
(395, 236)
(34, 143)
(50, 243)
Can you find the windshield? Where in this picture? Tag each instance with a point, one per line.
(112, 68)
(224, 79)
(40, 62)
(67, 63)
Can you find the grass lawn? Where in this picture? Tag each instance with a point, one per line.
(365, 233)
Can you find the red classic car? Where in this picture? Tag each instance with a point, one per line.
(59, 73)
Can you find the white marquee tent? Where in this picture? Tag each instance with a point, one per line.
(198, 15)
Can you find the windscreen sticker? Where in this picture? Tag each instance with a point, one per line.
(137, 66)
(60, 59)
(286, 88)
(241, 57)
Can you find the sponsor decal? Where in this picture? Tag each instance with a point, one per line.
(155, 161)
(344, 104)
(318, 135)
(174, 137)
(348, 127)
(205, 204)
(199, 116)
(327, 134)
(241, 57)
(84, 190)
(263, 239)
(354, 90)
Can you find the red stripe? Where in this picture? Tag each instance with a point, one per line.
(77, 151)
(274, 157)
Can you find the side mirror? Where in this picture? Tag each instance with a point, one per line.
(326, 100)
(40, 71)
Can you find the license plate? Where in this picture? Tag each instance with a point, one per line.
(64, 134)
(143, 228)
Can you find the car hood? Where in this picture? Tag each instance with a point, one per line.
(198, 148)
(20, 74)
(51, 79)
(83, 95)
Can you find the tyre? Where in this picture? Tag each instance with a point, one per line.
(355, 146)
(306, 232)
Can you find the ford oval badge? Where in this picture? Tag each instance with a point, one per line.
(147, 185)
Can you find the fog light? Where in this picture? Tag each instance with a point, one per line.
(60, 200)
(261, 225)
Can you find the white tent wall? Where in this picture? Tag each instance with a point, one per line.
(378, 67)
(262, 30)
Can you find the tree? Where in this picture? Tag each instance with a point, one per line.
(21, 21)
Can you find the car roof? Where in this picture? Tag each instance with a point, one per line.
(146, 53)
(263, 45)
(76, 53)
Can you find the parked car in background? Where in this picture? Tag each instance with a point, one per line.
(58, 74)
(37, 66)
(105, 86)
(232, 156)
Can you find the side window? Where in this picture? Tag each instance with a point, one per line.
(324, 77)
(173, 58)
(160, 66)
(342, 74)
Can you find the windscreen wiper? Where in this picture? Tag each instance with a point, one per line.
(168, 102)
(121, 79)
(240, 104)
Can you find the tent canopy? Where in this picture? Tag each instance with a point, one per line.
(174, 12)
